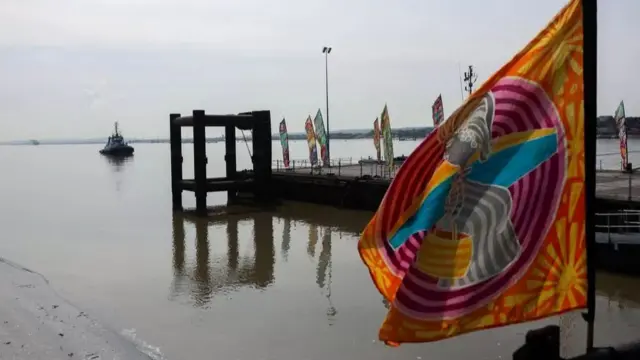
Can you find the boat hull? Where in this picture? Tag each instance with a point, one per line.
(118, 151)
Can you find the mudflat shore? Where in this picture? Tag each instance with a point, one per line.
(37, 324)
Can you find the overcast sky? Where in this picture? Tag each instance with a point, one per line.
(69, 68)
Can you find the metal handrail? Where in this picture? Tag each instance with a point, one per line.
(622, 222)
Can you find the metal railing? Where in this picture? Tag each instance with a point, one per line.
(365, 167)
(618, 224)
(304, 166)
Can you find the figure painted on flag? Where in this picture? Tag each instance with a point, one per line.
(284, 141)
(483, 225)
(477, 210)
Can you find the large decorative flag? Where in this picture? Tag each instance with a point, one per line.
(284, 141)
(386, 137)
(376, 138)
(438, 111)
(483, 225)
(311, 141)
(321, 137)
(621, 124)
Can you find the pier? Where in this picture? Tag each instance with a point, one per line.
(256, 183)
(361, 184)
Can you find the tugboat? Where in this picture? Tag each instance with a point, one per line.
(116, 146)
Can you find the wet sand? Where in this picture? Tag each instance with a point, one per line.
(36, 323)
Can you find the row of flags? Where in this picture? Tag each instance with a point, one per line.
(316, 135)
(382, 136)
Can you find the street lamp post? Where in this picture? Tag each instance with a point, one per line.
(326, 51)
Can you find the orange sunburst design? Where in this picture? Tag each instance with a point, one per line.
(560, 271)
(557, 51)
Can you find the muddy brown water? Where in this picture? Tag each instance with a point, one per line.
(284, 283)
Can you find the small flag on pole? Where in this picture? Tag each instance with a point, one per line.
(438, 111)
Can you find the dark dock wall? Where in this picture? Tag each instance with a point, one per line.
(344, 192)
(366, 194)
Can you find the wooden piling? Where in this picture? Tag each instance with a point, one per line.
(175, 139)
(257, 182)
(200, 161)
(262, 157)
(230, 158)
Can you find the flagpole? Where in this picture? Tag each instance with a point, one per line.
(590, 44)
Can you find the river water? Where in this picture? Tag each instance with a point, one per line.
(285, 284)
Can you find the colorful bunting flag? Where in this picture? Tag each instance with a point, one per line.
(321, 137)
(438, 111)
(376, 138)
(311, 141)
(621, 123)
(284, 141)
(386, 137)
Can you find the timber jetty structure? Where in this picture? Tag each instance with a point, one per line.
(256, 182)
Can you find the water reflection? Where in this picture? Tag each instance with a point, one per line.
(220, 267)
(117, 166)
(217, 273)
(620, 291)
(118, 163)
(286, 239)
(324, 273)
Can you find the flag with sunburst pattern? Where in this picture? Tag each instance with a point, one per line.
(484, 223)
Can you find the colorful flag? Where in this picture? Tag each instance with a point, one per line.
(386, 137)
(321, 136)
(484, 223)
(621, 123)
(311, 141)
(284, 141)
(376, 138)
(438, 111)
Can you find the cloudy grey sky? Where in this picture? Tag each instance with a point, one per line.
(69, 68)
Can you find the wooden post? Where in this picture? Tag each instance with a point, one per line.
(261, 141)
(175, 139)
(200, 161)
(230, 157)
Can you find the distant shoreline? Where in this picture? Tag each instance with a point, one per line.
(407, 134)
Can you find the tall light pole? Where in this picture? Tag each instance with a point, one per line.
(326, 51)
